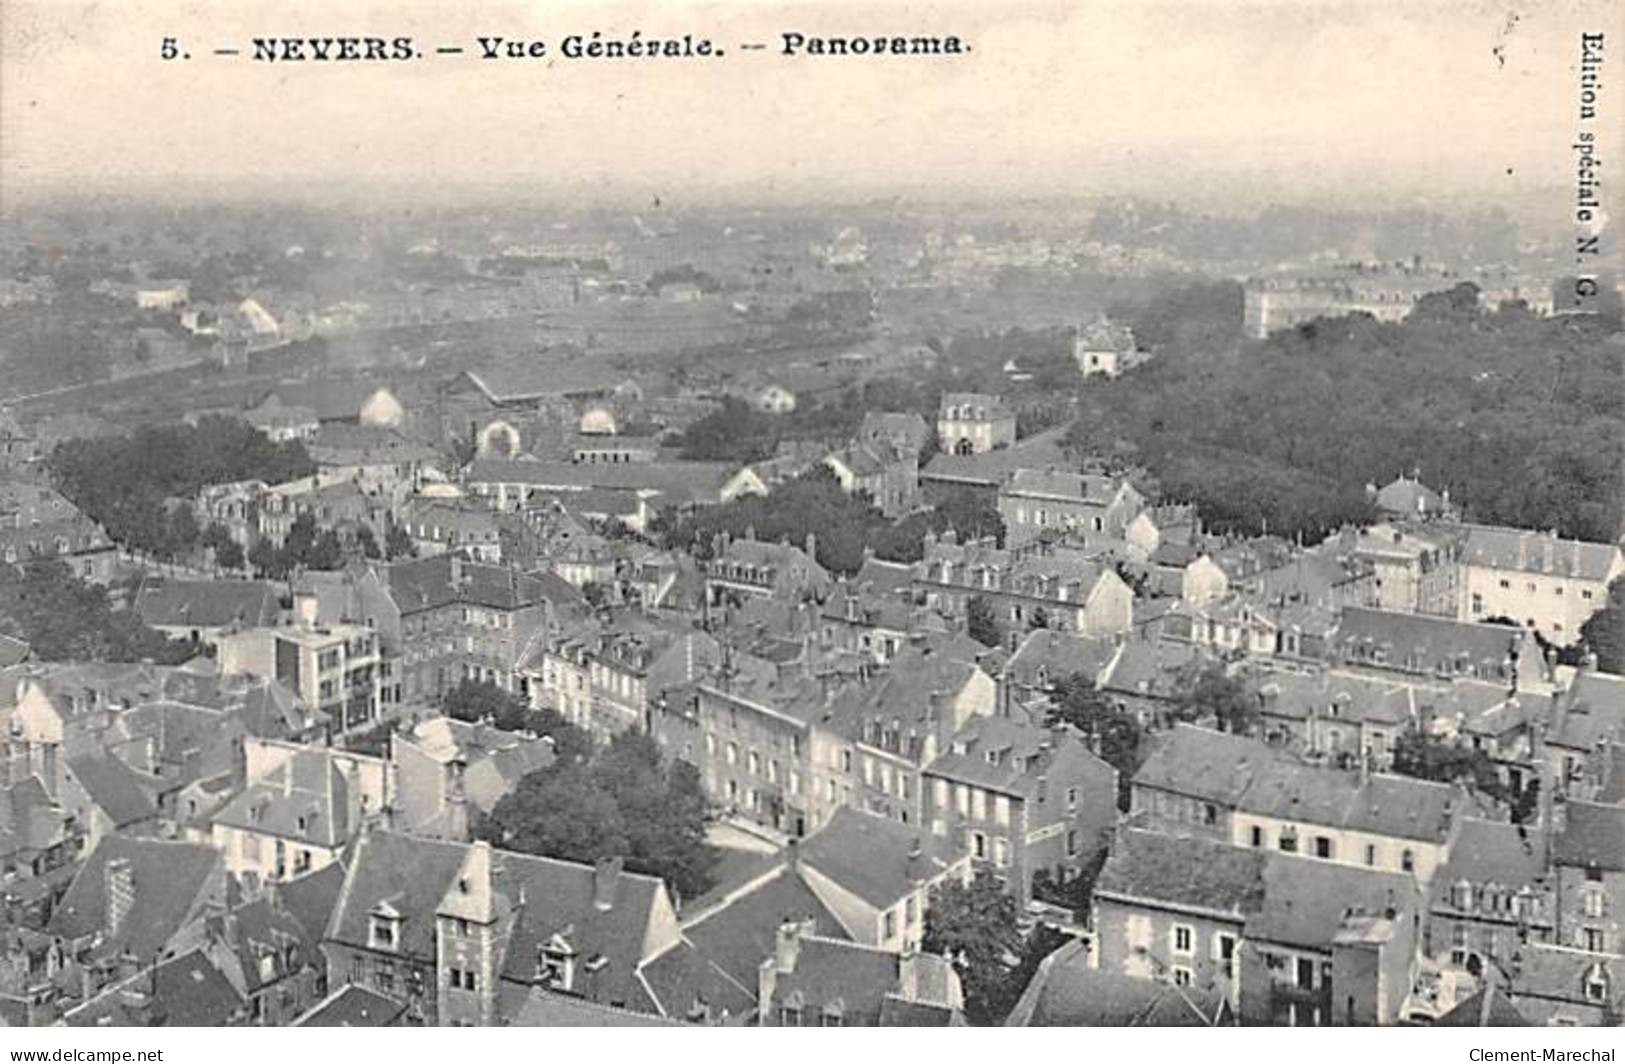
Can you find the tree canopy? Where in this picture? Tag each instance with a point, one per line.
(124, 483)
(66, 619)
(1520, 417)
(626, 802)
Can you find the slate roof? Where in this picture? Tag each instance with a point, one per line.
(308, 789)
(416, 876)
(1558, 973)
(1357, 698)
(1024, 753)
(29, 818)
(991, 468)
(828, 972)
(1590, 713)
(1408, 496)
(353, 1006)
(735, 933)
(1308, 901)
(1593, 836)
(311, 898)
(1521, 550)
(1055, 484)
(1197, 872)
(1067, 992)
(1487, 851)
(869, 856)
(168, 879)
(426, 583)
(1422, 643)
(1245, 774)
(1488, 1007)
(1047, 655)
(544, 1008)
(676, 482)
(185, 991)
(115, 789)
(207, 603)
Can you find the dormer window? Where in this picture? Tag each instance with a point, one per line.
(384, 928)
(556, 964)
(834, 1013)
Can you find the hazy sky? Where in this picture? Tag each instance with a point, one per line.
(1265, 98)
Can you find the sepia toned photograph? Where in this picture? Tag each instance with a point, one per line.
(772, 513)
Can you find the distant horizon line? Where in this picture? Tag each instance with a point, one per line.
(332, 191)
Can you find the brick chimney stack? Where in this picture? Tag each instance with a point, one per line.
(606, 882)
(120, 894)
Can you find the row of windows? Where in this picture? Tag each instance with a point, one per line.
(1324, 847)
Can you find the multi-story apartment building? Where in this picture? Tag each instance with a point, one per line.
(1206, 783)
(972, 423)
(334, 669)
(1084, 506)
(462, 620)
(1286, 939)
(1055, 588)
(1536, 579)
(1021, 799)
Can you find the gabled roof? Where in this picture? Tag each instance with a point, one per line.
(533, 900)
(1308, 902)
(1488, 1007)
(115, 789)
(736, 930)
(1067, 992)
(876, 858)
(835, 974)
(1075, 487)
(1525, 551)
(426, 583)
(1486, 851)
(1592, 836)
(306, 798)
(168, 879)
(1012, 756)
(1205, 873)
(353, 1006)
(185, 991)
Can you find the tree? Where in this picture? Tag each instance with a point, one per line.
(1604, 633)
(368, 542)
(969, 514)
(327, 552)
(123, 482)
(1429, 758)
(559, 812)
(980, 624)
(397, 544)
(1208, 689)
(64, 618)
(1114, 735)
(626, 802)
(229, 555)
(268, 560)
(664, 809)
(477, 700)
(975, 927)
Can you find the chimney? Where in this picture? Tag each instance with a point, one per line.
(456, 570)
(917, 864)
(120, 893)
(786, 944)
(606, 880)
(304, 609)
(908, 975)
(812, 547)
